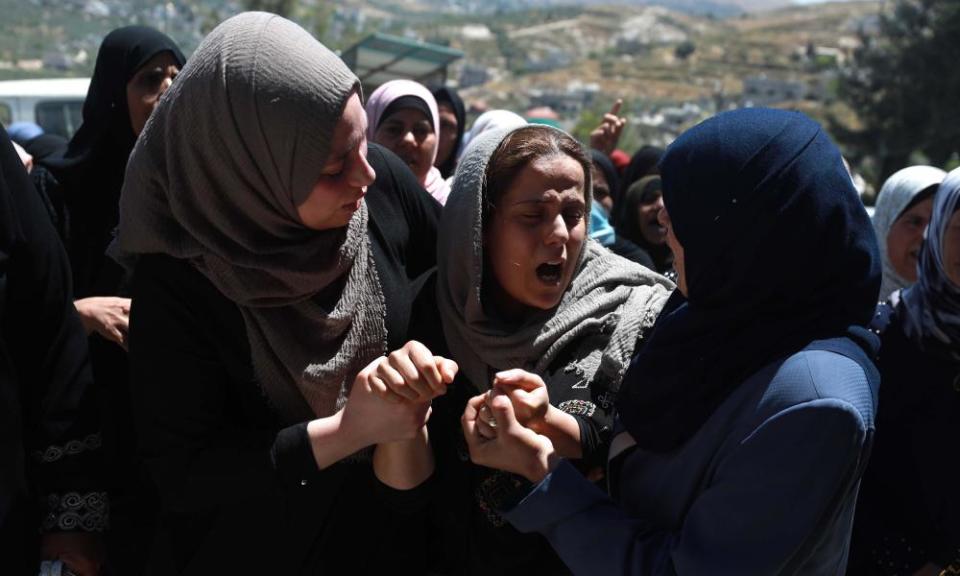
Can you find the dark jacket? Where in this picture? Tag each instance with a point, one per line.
(240, 492)
(909, 508)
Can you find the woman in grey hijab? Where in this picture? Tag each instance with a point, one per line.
(528, 304)
(901, 216)
(275, 256)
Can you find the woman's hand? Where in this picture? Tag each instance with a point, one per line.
(373, 413)
(412, 373)
(515, 448)
(605, 136)
(108, 316)
(81, 552)
(532, 409)
(528, 394)
(372, 416)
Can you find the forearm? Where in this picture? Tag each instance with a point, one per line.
(330, 442)
(563, 430)
(405, 464)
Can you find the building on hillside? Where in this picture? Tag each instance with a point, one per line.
(763, 91)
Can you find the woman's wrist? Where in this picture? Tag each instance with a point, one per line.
(562, 429)
(546, 462)
(331, 441)
(404, 464)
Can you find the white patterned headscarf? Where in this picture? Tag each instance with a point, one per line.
(931, 307)
(897, 193)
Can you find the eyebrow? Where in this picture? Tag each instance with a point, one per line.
(352, 144)
(578, 201)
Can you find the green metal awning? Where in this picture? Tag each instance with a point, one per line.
(379, 58)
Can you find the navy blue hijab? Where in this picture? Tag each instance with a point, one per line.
(778, 252)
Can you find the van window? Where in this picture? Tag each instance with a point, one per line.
(61, 117)
(5, 115)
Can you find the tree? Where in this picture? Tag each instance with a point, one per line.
(903, 87)
(684, 49)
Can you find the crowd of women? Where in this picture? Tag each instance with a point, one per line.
(257, 321)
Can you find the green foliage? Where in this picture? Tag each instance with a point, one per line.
(903, 87)
(684, 49)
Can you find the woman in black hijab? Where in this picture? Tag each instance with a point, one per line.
(642, 163)
(135, 65)
(134, 68)
(639, 222)
(453, 120)
(606, 189)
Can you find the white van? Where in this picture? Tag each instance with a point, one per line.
(55, 104)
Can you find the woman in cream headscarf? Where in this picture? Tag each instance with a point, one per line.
(528, 304)
(273, 254)
(900, 219)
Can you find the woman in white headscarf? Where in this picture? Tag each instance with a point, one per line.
(908, 514)
(901, 216)
(274, 255)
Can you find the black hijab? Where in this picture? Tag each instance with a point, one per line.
(643, 191)
(45, 146)
(450, 96)
(643, 163)
(778, 252)
(92, 168)
(603, 162)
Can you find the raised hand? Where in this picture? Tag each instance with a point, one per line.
(605, 136)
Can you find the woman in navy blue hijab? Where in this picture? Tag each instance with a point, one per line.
(747, 419)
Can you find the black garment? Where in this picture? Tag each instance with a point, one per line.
(908, 513)
(45, 146)
(240, 493)
(92, 168)
(49, 443)
(604, 164)
(82, 188)
(450, 96)
(644, 191)
(623, 247)
(643, 163)
(465, 531)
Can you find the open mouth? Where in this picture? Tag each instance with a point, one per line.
(550, 273)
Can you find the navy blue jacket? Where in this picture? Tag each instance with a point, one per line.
(767, 485)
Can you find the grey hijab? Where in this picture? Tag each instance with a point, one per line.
(896, 194)
(610, 303)
(236, 143)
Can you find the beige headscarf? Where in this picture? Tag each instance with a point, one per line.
(235, 145)
(610, 303)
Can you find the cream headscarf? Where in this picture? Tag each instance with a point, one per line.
(610, 300)
(235, 145)
(897, 193)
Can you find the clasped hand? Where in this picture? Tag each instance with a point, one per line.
(390, 398)
(501, 426)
